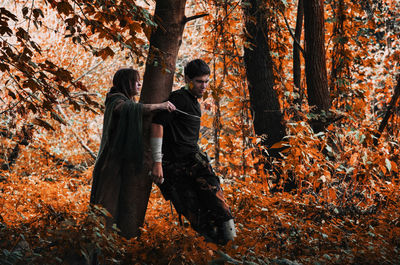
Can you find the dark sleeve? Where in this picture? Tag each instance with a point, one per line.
(164, 117)
(119, 105)
(122, 130)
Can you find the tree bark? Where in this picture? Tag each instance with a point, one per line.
(264, 101)
(157, 85)
(315, 61)
(165, 42)
(296, 50)
(340, 69)
(389, 112)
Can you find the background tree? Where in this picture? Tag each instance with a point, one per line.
(339, 75)
(315, 61)
(264, 101)
(296, 47)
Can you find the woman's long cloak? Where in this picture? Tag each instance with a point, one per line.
(119, 160)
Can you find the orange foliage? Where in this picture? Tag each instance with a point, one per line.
(343, 208)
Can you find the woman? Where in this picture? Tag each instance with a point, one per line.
(121, 149)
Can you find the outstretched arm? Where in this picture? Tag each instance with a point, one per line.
(156, 144)
(159, 106)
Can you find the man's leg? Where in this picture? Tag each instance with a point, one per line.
(215, 214)
(195, 193)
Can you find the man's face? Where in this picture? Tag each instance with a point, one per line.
(198, 84)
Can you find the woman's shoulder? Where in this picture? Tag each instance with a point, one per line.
(112, 98)
(116, 95)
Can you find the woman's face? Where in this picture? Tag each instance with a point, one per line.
(135, 87)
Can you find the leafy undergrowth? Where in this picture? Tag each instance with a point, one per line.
(47, 221)
(343, 210)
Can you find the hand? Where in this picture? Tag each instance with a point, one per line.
(157, 173)
(168, 106)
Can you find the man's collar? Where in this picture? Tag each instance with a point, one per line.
(189, 92)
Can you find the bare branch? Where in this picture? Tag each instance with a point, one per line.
(294, 38)
(389, 111)
(91, 153)
(194, 17)
(86, 73)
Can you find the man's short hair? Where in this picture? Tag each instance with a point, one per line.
(195, 68)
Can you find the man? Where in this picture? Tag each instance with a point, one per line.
(181, 170)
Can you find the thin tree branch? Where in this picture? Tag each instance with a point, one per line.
(86, 73)
(226, 16)
(73, 59)
(389, 111)
(10, 108)
(17, 103)
(91, 153)
(30, 15)
(194, 17)
(59, 161)
(293, 36)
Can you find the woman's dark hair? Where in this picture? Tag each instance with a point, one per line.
(195, 68)
(121, 81)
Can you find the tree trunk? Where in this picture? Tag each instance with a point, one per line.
(157, 85)
(296, 49)
(315, 61)
(164, 46)
(260, 76)
(340, 72)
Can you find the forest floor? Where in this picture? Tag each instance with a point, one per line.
(45, 219)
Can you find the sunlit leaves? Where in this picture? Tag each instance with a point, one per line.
(5, 16)
(104, 53)
(344, 206)
(27, 72)
(63, 7)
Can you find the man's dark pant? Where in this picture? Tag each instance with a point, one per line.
(195, 192)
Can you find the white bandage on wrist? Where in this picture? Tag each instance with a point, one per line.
(156, 145)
